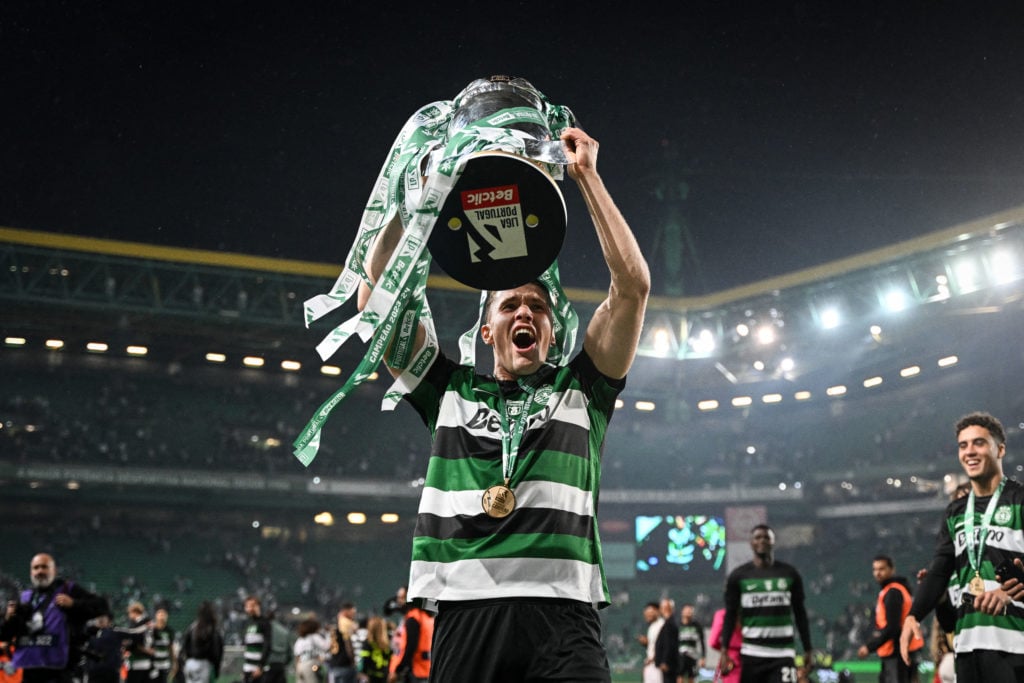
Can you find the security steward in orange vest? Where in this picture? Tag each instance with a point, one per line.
(8, 673)
(891, 609)
(411, 662)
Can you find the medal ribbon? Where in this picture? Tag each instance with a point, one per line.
(512, 432)
(975, 549)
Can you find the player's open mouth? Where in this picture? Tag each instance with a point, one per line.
(523, 339)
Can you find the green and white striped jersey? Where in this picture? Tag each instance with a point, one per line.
(548, 546)
(1004, 540)
(767, 599)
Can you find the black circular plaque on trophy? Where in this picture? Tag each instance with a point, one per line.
(502, 224)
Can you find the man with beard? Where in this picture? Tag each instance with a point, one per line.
(47, 624)
(891, 609)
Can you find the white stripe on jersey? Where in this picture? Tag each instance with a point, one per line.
(529, 494)
(768, 631)
(989, 638)
(768, 652)
(455, 411)
(497, 578)
(756, 599)
(1000, 537)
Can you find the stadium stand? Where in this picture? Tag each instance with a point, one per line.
(168, 478)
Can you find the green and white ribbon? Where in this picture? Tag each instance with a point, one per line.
(976, 546)
(397, 304)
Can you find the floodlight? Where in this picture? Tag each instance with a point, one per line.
(1003, 267)
(703, 342)
(895, 300)
(966, 272)
(766, 334)
(830, 318)
(661, 342)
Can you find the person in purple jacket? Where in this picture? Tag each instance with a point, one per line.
(47, 624)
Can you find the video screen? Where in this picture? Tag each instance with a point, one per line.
(680, 546)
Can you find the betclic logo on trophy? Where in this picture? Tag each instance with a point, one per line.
(504, 221)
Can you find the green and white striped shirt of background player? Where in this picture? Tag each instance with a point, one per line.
(548, 546)
(255, 643)
(767, 596)
(163, 644)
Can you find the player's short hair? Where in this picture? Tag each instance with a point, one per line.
(884, 558)
(980, 419)
(489, 299)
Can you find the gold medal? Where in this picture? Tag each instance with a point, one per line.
(977, 585)
(498, 501)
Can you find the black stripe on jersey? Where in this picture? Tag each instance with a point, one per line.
(772, 611)
(564, 437)
(776, 642)
(521, 521)
(455, 442)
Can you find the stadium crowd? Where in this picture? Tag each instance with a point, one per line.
(231, 566)
(79, 412)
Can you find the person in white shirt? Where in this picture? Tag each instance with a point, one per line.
(652, 615)
(310, 650)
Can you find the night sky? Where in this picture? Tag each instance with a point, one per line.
(782, 136)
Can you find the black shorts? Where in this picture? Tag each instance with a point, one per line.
(989, 666)
(518, 639)
(687, 666)
(895, 671)
(767, 670)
